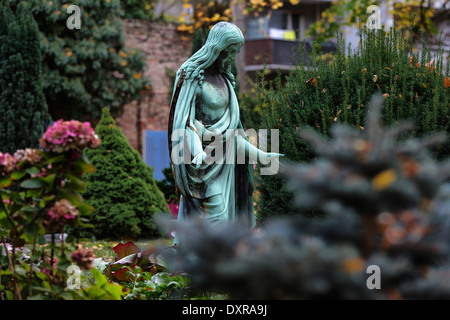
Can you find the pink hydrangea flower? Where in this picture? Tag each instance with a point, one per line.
(7, 163)
(62, 213)
(173, 206)
(65, 135)
(28, 155)
(83, 257)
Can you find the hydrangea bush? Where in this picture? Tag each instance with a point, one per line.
(40, 192)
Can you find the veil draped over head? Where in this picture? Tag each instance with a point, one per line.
(229, 184)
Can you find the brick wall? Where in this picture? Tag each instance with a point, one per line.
(164, 49)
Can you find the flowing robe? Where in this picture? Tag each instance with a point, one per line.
(220, 191)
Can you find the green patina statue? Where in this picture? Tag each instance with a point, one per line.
(206, 139)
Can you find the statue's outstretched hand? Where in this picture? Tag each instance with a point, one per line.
(266, 158)
(199, 158)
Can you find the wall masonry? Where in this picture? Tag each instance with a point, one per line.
(165, 51)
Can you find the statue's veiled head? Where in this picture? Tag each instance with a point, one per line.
(224, 41)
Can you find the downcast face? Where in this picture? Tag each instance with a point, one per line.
(227, 57)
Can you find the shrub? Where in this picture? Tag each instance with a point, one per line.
(88, 68)
(122, 189)
(318, 93)
(23, 110)
(138, 9)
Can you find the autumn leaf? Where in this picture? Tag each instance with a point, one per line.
(384, 179)
(353, 265)
(216, 17)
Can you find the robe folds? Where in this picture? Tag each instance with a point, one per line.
(218, 191)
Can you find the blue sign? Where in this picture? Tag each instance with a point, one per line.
(156, 152)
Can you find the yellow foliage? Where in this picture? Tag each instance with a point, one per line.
(384, 179)
(353, 265)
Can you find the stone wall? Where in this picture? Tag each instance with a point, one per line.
(164, 50)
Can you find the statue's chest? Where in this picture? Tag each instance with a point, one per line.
(214, 97)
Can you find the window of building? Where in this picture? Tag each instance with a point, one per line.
(286, 25)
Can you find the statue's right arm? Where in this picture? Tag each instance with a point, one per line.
(195, 146)
(193, 136)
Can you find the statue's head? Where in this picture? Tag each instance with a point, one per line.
(224, 41)
(222, 36)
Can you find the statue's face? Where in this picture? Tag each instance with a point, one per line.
(227, 57)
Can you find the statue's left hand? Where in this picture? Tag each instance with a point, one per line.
(269, 156)
(266, 158)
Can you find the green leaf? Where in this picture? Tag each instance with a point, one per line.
(49, 198)
(16, 175)
(99, 278)
(40, 275)
(110, 290)
(53, 159)
(84, 223)
(28, 237)
(5, 223)
(70, 238)
(3, 233)
(85, 209)
(83, 164)
(28, 210)
(75, 198)
(63, 263)
(49, 179)
(33, 170)
(33, 183)
(32, 228)
(5, 182)
(21, 271)
(115, 290)
(75, 183)
(41, 240)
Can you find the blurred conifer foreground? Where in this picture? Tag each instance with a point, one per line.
(385, 206)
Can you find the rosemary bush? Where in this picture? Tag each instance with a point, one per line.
(322, 90)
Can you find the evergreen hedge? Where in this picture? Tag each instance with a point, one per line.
(122, 190)
(319, 92)
(88, 68)
(23, 109)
